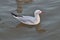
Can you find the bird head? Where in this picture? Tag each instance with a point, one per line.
(38, 12)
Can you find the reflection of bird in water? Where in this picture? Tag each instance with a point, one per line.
(27, 1)
(29, 20)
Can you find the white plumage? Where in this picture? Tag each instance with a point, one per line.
(29, 20)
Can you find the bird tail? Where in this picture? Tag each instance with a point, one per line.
(14, 14)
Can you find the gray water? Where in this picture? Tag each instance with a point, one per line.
(50, 20)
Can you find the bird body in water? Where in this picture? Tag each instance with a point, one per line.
(29, 20)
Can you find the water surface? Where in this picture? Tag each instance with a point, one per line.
(50, 20)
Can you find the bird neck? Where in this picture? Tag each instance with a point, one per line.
(37, 17)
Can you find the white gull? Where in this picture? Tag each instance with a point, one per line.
(29, 20)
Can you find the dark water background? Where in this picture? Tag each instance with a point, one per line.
(50, 20)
